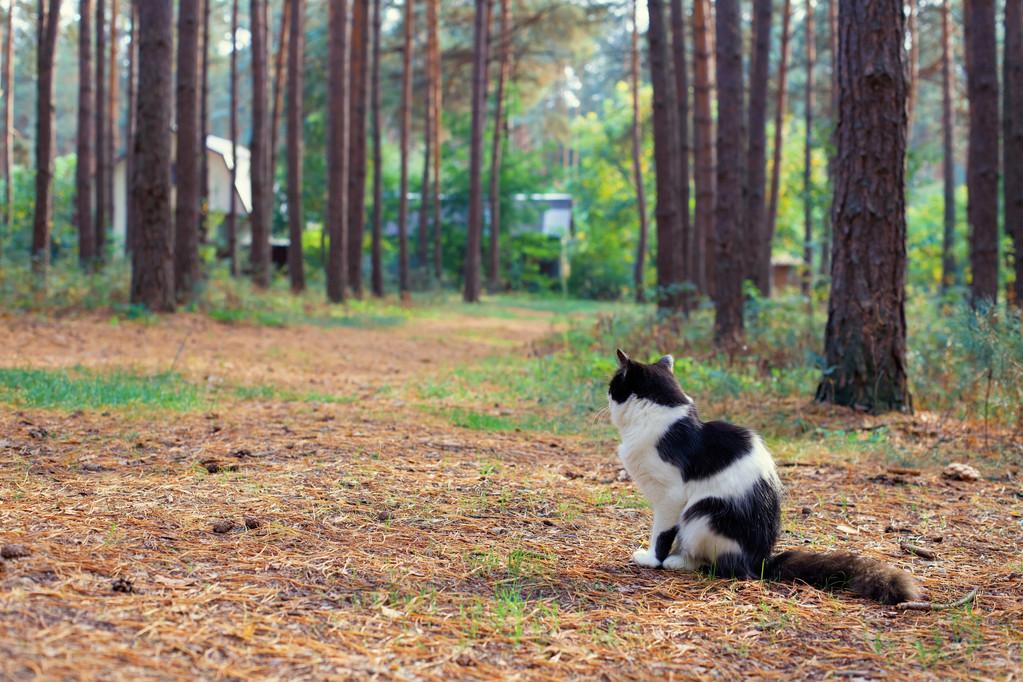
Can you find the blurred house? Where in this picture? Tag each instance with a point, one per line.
(785, 272)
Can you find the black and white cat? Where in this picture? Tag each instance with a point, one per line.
(715, 492)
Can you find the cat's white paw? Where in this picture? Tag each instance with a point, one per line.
(677, 562)
(645, 558)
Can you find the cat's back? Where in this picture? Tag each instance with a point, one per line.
(707, 450)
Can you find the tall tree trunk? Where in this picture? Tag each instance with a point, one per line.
(728, 323)
(666, 165)
(357, 162)
(433, 48)
(982, 163)
(500, 121)
(684, 257)
(232, 220)
(810, 39)
(130, 221)
(756, 148)
(913, 30)
(186, 159)
(296, 142)
(422, 225)
(260, 170)
(100, 129)
(152, 272)
(865, 344)
(85, 161)
(377, 268)
(46, 50)
(280, 60)
(113, 112)
(405, 123)
(764, 272)
(637, 167)
(825, 262)
(204, 122)
(6, 138)
(481, 53)
(1013, 155)
(703, 145)
(948, 264)
(338, 151)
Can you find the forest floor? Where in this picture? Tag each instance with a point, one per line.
(201, 499)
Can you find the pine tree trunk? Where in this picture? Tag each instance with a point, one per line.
(204, 122)
(47, 25)
(280, 63)
(232, 219)
(982, 163)
(338, 151)
(703, 145)
(113, 113)
(728, 323)
(152, 272)
(130, 221)
(7, 139)
(684, 257)
(357, 162)
(913, 30)
(260, 155)
(810, 40)
(1013, 134)
(100, 129)
(422, 224)
(825, 262)
(186, 159)
(85, 164)
(948, 264)
(756, 148)
(377, 267)
(433, 47)
(504, 50)
(637, 167)
(405, 124)
(865, 344)
(471, 293)
(296, 143)
(764, 272)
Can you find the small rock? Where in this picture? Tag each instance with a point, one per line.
(571, 475)
(623, 475)
(242, 453)
(38, 433)
(223, 526)
(94, 468)
(123, 585)
(212, 465)
(957, 471)
(807, 511)
(14, 551)
(252, 522)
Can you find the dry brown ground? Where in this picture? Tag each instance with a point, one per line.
(388, 544)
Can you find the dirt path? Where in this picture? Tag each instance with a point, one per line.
(386, 543)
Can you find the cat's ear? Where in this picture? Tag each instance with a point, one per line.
(623, 359)
(668, 362)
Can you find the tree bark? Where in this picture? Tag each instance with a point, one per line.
(113, 113)
(865, 344)
(731, 176)
(703, 145)
(296, 143)
(504, 49)
(152, 273)
(100, 130)
(982, 162)
(280, 60)
(130, 221)
(756, 148)
(948, 264)
(913, 30)
(405, 124)
(764, 272)
(357, 161)
(7, 138)
(232, 221)
(186, 159)
(637, 167)
(1013, 134)
(85, 162)
(204, 122)
(471, 294)
(375, 257)
(433, 46)
(825, 262)
(684, 257)
(48, 21)
(810, 39)
(260, 170)
(338, 151)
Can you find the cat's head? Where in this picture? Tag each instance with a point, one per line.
(654, 383)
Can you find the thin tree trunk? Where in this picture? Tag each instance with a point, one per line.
(913, 29)
(261, 151)
(1013, 133)
(433, 47)
(152, 272)
(496, 148)
(296, 143)
(232, 221)
(703, 144)
(764, 274)
(728, 323)
(810, 40)
(756, 149)
(422, 225)
(85, 161)
(948, 264)
(338, 151)
(865, 344)
(7, 139)
(130, 222)
(100, 129)
(825, 262)
(982, 164)
(479, 117)
(48, 23)
(405, 123)
(186, 159)
(684, 260)
(204, 122)
(113, 112)
(377, 268)
(357, 163)
(637, 167)
(280, 60)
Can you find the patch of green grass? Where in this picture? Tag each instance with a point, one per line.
(78, 389)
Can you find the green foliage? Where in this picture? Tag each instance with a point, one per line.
(79, 388)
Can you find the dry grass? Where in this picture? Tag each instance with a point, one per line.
(389, 544)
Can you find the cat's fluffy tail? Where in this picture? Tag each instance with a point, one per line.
(865, 576)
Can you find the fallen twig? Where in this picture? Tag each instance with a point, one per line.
(931, 606)
(919, 551)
